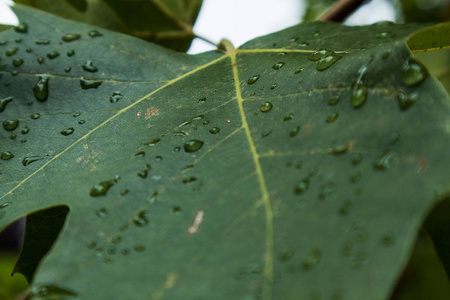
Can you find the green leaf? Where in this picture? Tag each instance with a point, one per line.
(274, 171)
(165, 22)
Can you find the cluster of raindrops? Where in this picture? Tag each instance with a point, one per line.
(324, 58)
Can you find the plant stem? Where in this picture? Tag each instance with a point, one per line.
(206, 40)
(341, 10)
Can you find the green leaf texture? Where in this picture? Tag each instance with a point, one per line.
(165, 22)
(274, 171)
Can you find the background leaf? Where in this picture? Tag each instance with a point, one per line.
(165, 22)
(258, 173)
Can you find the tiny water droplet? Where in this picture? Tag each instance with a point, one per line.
(333, 117)
(22, 27)
(326, 190)
(359, 96)
(294, 132)
(52, 54)
(175, 210)
(42, 42)
(13, 136)
(395, 137)
(40, 60)
(17, 62)
(6, 155)
(35, 116)
(299, 70)
(10, 124)
(139, 248)
(101, 213)
(253, 79)
(385, 35)
(386, 54)
(266, 133)
(311, 259)
(357, 159)
(152, 142)
(100, 189)
(345, 208)
(302, 186)
(384, 161)
(319, 54)
(405, 101)
(87, 83)
(273, 86)
(266, 106)
(25, 130)
(143, 174)
(67, 131)
(81, 122)
(413, 72)
(68, 69)
(94, 33)
(70, 37)
(193, 145)
(70, 53)
(140, 219)
(11, 51)
(290, 116)
(286, 254)
(206, 122)
(176, 149)
(140, 154)
(40, 90)
(4, 102)
(29, 50)
(158, 158)
(31, 159)
(278, 65)
(202, 100)
(4, 205)
(116, 96)
(334, 100)
(89, 67)
(214, 130)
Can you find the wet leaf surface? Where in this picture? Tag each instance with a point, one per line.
(190, 176)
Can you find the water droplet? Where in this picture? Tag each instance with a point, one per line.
(158, 158)
(31, 159)
(359, 96)
(42, 42)
(6, 155)
(405, 101)
(413, 72)
(67, 131)
(40, 60)
(70, 53)
(29, 50)
(10, 124)
(17, 62)
(326, 62)
(273, 86)
(214, 130)
(176, 149)
(94, 33)
(89, 67)
(52, 54)
(345, 208)
(206, 122)
(4, 205)
(22, 27)
(333, 117)
(3, 103)
(152, 142)
(319, 54)
(253, 79)
(302, 186)
(11, 51)
(40, 90)
(289, 117)
(124, 192)
(202, 100)
(278, 65)
(385, 35)
(395, 137)
(266, 106)
(294, 131)
(326, 190)
(311, 259)
(384, 161)
(116, 96)
(193, 145)
(100, 189)
(139, 248)
(266, 133)
(25, 130)
(140, 154)
(175, 210)
(143, 174)
(87, 83)
(140, 219)
(334, 100)
(35, 116)
(50, 292)
(101, 213)
(13, 136)
(386, 54)
(81, 122)
(299, 70)
(70, 37)
(286, 255)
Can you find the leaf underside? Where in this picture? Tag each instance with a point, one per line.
(240, 175)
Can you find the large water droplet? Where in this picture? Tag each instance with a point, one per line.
(100, 189)
(31, 159)
(278, 65)
(87, 83)
(359, 96)
(3, 103)
(40, 90)
(6, 155)
(22, 27)
(266, 106)
(320, 54)
(140, 219)
(89, 67)
(17, 62)
(193, 145)
(413, 72)
(116, 96)
(10, 124)
(302, 186)
(11, 51)
(326, 62)
(405, 101)
(67, 131)
(253, 79)
(70, 37)
(52, 54)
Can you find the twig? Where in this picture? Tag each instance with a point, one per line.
(341, 10)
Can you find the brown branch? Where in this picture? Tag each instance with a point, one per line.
(341, 10)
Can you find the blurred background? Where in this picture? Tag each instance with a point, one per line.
(196, 26)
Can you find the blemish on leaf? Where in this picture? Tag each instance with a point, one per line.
(151, 111)
(197, 221)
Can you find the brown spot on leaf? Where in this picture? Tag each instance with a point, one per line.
(152, 111)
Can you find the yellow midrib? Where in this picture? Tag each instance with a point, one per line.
(268, 256)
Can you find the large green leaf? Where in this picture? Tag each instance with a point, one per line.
(257, 173)
(165, 22)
